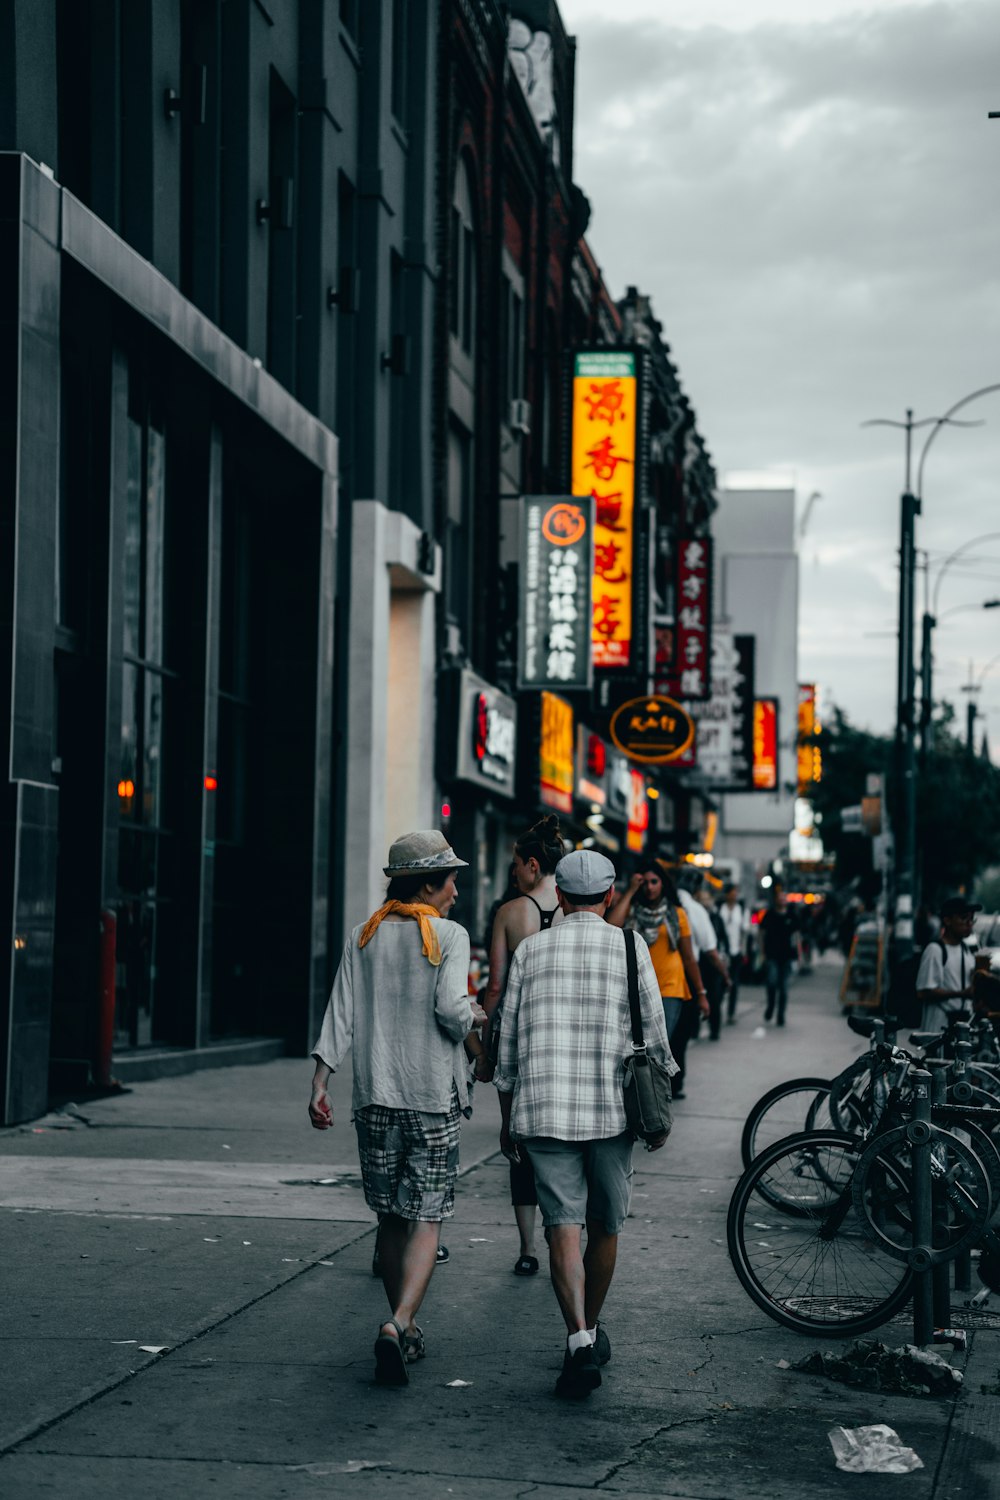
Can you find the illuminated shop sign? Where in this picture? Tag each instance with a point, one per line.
(591, 767)
(638, 813)
(604, 456)
(690, 675)
(654, 730)
(487, 735)
(810, 756)
(765, 744)
(557, 558)
(556, 758)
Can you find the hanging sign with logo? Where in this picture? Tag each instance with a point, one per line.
(765, 744)
(556, 759)
(618, 779)
(556, 562)
(486, 723)
(654, 730)
(691, 674)
(604, 457)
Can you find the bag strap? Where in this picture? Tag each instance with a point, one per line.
(638, 1044)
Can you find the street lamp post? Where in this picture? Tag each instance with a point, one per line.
(904, 748)
(929, 623)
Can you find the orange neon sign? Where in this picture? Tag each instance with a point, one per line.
(605, 396)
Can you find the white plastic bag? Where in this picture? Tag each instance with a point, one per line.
(872, 1450)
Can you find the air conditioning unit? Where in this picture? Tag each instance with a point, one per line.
(520, 415)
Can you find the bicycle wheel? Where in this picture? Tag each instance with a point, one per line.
(960, 1190)
(787, 1109)
(820, 1272)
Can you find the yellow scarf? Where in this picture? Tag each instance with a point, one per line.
(417, 909)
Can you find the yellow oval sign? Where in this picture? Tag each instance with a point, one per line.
(652, 730)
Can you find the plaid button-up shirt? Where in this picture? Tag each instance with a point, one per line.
(565, 1030)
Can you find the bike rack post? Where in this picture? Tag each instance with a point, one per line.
(919, 1133)
(940, 1274)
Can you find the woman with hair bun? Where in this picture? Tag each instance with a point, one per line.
(535, 909)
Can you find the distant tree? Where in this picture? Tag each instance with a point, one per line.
(958, 804)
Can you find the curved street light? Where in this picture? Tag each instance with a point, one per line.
(906, 864)
(940, 422)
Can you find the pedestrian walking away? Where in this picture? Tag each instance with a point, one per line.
(714, 965)
(650, 906)
(735, 920)
(534, 909)
(565, 1034)
(778, 934)
(944, 978)
(400, 1001)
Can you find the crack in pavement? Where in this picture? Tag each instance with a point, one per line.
(651, 1438)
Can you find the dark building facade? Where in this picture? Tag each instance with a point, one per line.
(218, 228)
(289, 294)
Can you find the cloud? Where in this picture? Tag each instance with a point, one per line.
(815, 209)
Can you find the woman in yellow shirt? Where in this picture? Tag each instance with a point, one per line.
(651, 906)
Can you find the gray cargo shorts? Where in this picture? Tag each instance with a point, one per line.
(580, 1180)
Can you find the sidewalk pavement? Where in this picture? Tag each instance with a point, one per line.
(189, 1310)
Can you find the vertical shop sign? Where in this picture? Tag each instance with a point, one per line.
(557, 560)
(604, 457)
(765, 744)
(810, 758)
(556, 760)
(638, 813)
(692, 676)
(744, 647)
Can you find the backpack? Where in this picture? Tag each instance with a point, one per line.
(902, 1001)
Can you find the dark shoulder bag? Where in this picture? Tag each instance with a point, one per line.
(646, 1082)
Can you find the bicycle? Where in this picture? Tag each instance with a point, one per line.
(840, 1240)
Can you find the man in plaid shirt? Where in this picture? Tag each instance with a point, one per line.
(564, 1037)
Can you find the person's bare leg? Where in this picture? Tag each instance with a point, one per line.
(599, 1267)
(525, 1213)
(407, 1251)
(568, 1276)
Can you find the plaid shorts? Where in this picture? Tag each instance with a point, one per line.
(409, 1160)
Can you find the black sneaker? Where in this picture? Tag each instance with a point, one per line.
(443, 1256)
(602, 1348)
(580, 1374)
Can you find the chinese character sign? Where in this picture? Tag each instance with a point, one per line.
(605, 399)
(557, 761)
(691, 676)
(744, 691)
(557, 550)
(765, 744)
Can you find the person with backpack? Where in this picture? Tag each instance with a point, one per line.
(944, 978)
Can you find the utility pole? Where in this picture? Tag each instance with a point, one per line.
(905, 747)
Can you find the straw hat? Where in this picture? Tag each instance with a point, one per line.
(426, 852)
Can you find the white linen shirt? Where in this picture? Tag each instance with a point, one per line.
(703, 939)
(951, 970)
(406, 1019)
(566, 1032)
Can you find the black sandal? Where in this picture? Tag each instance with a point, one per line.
(414, 1346)
(526, 1265)
(390, 1356)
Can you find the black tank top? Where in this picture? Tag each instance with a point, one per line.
(546, 916)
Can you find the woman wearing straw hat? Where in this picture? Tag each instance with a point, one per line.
(400, 1001)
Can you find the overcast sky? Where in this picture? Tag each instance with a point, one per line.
(814, 206)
